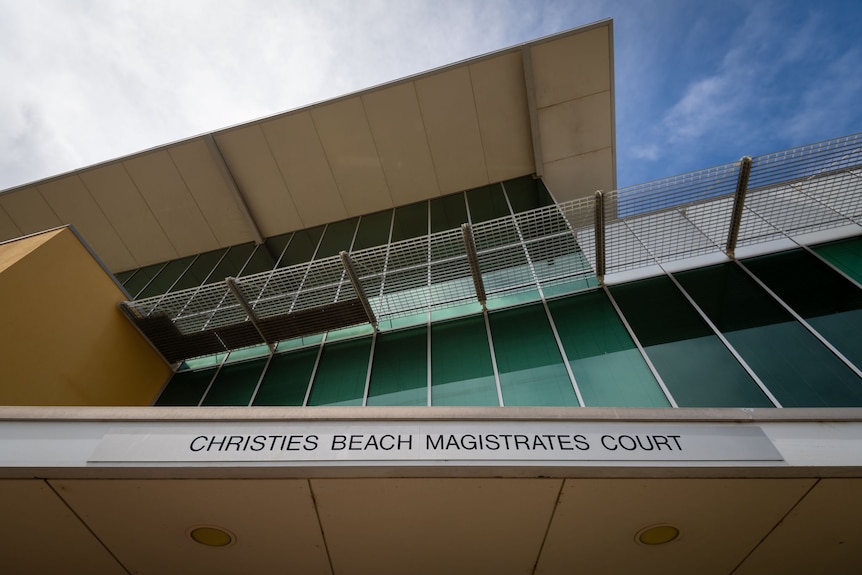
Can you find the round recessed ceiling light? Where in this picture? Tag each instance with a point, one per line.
(211, 536)
(657, 534)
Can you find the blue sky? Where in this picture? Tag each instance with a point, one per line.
(697, 83)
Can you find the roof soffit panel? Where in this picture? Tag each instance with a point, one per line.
(499, 528)
(572, 67)
(8, 229)
(576, 127)
(580, 176)
(29, 211)
(172, 203)
(249, 158)
(299, 154)
(449, 112)
(122, 203)
(596, 522)
(72, 202)
(504, 120)
(40, 535)
(399, 132)
(207, 185)
(161, 511)
(349, 145)
(820, 535)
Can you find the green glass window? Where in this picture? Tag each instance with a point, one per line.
(527, 193)
(399, 375)
(123, 277)
(846, 255)
(166, 278)
(410, 222)
(338, 237)
(286, 379)
(487, 203)
(199, 272)
(797, 369)
(461, 369)
(609, 369)
(135, 284)
(232, 262)
(301, 247)
(373, 230)
(694, 364)
(448, 213)
(824, 298)
(186, 388)
(340, 377)
(235, 383)
(528, 359)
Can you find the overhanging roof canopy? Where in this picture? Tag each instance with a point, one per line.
(545, 107)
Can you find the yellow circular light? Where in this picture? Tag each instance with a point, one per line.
(658, 534)
(211, 536)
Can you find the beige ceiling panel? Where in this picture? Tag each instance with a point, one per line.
(434, 525)
(249, 158)
(399, 133)
(303, 164)
(172, 203)
(72, 202)
(349, 145)
(504, 119)
(580, 176)
(8, 229)
(576, 127)
(823, 534)
(119, 199)
(720, 521)
(572, 67)
(201, 173)
(29, 211)
(39, 534)
(449, 111)
(145, 524)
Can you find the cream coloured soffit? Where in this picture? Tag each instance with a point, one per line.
(453, 128)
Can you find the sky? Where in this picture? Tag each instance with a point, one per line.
(698, 83)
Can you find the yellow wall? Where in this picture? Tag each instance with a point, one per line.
(63, 340)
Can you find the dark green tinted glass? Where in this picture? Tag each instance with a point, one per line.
(301, 247)
(528, 359)
(287, 377)
(788, 359)
(232, 262)
(186, 388)
(399, 375)
(487, 203)
(200, 270)
(410, 222)
(337, 237)
(142, 277)
(122, 277)
(235, 383)
(524, 194)
(373, 230)
(846, 255)
(169, 274)
(461, 369)
(694, 364)
(260, 261)
(824, 298)
(607, 365)
(448, 213)
(340, 377)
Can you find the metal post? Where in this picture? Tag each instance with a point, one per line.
(600, 236)
(738, 203)
(473, 259)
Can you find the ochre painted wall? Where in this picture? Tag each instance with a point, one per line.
(63, 340)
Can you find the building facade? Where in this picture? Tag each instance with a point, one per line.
(418, 329)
